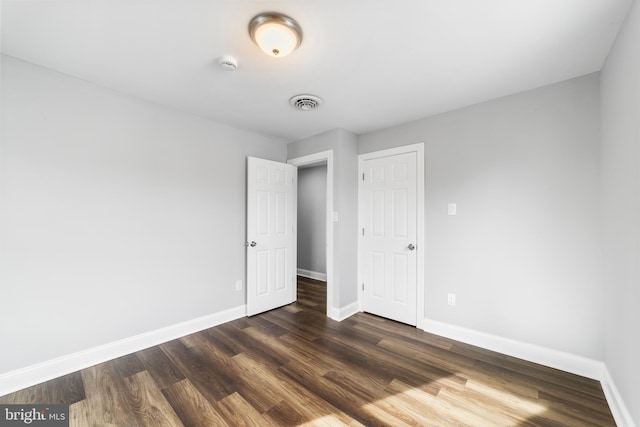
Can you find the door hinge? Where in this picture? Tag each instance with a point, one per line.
(363, 176)
(363, 286)
(363, 231)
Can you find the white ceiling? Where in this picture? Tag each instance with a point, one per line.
(376, 63)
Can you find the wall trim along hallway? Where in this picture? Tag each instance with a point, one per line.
(312, 274)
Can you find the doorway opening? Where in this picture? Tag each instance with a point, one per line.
(312, 222)
(325, 159)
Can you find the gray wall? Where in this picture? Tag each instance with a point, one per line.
(621, 210)
(118, 216)
(345, 202)
(523, 253)
(312, 219)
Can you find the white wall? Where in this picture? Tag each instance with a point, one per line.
(523, 253)
(347, 166)
(118, 216)
(312, 221)
(345, 195)
(621, 210)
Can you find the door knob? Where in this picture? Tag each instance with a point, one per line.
(252, 244)
(411, 247)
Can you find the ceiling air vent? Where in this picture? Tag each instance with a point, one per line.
(305, 102)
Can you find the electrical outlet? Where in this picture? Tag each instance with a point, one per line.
(239, 285)
(451, 299)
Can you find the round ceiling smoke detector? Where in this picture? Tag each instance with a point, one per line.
(228, 63)
(305, 102)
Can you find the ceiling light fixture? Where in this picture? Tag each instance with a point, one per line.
(276, 34)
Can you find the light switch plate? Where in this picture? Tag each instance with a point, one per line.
(451, 299)
(452, 209)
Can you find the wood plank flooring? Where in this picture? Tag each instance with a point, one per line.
(294, 366)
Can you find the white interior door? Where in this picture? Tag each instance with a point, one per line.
(389, 244)
(271, 239)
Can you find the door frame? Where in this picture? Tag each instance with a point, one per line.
(420, 238)
(320, 158)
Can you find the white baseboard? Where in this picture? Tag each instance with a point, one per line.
(616, 404)
(339, 314)
(567, 362)
(333, 314)
(16, 380)
(312, 274)
(348, 311)
(31, 375)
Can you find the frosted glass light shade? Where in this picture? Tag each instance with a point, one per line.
(277, 35)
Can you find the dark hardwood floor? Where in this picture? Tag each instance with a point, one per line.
(294, 366)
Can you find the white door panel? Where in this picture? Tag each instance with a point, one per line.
(389, 253)
(271, 219)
